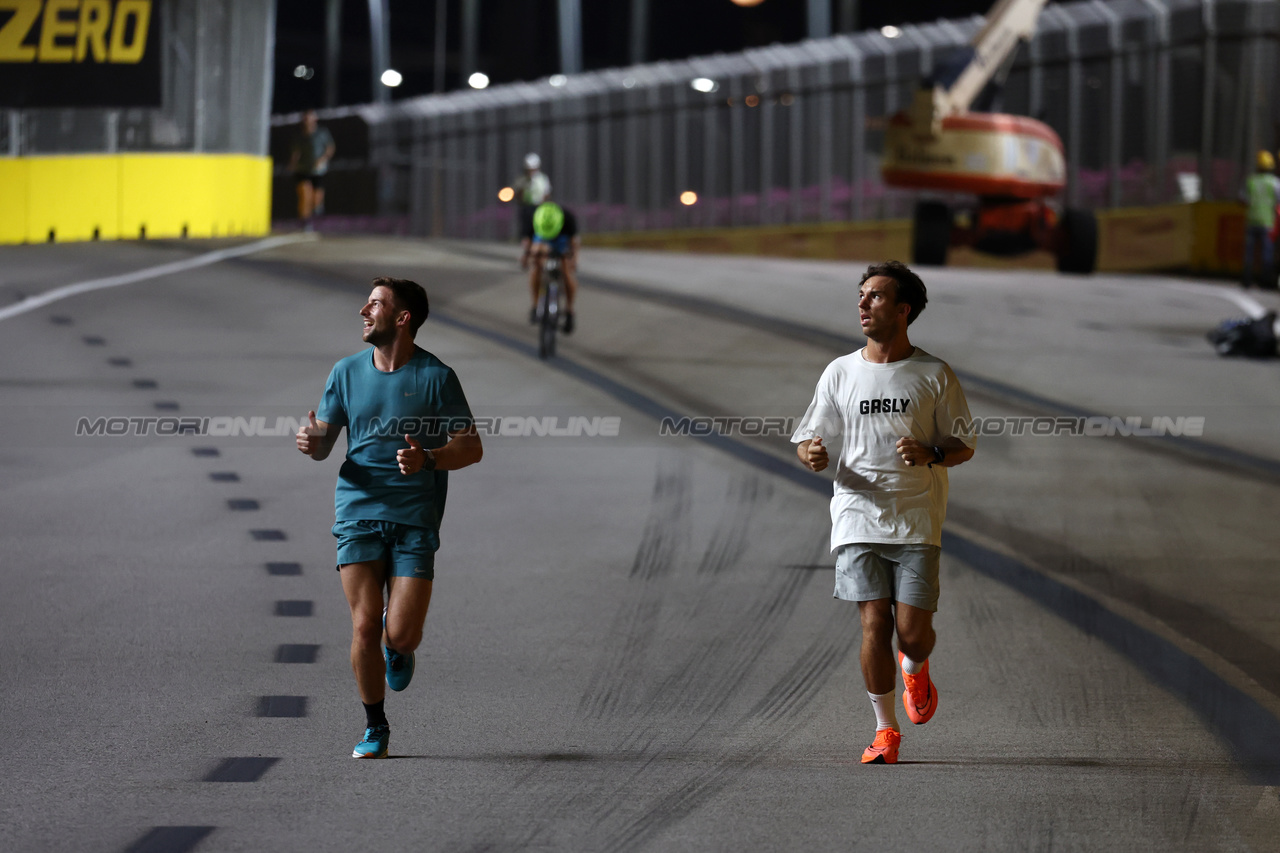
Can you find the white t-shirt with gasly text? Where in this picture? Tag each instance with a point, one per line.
(865, 408)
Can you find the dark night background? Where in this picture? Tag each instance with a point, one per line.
(518, 38)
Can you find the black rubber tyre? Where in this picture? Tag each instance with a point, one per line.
(548, 319)
(931, 236)
(1078, 252)
(547, 341)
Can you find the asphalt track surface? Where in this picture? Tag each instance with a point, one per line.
(632, 644)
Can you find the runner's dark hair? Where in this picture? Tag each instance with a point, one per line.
(410, 297)
(907, 286)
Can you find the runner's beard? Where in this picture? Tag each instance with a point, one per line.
(379, 336)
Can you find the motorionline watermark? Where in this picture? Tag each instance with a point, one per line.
(753, 427)
(610, 426)
(263, 426)
(1086, 425)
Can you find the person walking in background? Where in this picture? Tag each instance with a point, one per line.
(1262, 194)
(532, 189)
(901, 413)
(313, 148)
(408, 424)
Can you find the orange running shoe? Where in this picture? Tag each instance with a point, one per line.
(920, 697)
(884, 749)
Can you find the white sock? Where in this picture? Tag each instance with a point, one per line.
(886, 708)
(910, 667)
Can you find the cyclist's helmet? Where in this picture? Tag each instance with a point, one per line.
(1266, 163)
(532, 161)
(548, 220)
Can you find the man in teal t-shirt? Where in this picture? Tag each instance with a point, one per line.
(309, 158)
(408, 424)
(1262, 194)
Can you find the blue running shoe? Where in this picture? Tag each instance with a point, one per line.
(374, 745)
(399, 669)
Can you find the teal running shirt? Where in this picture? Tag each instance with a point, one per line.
(423, 399)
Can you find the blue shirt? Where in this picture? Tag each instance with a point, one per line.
(423, 399)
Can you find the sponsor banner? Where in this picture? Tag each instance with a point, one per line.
(80, 53)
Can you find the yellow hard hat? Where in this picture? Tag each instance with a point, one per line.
(1266, 163)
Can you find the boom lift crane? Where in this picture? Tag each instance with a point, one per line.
(1013, 164)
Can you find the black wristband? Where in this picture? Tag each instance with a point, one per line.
(938, 455)
(429, 464)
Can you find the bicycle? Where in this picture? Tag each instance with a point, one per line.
(549, 306)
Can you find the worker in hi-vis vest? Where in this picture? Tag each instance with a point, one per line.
(1262, 194)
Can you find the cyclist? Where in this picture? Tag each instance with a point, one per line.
(554, 230)
(531, 190)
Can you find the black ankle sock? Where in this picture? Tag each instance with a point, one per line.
(374, 714)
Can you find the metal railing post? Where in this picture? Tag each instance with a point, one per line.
(1210, 64)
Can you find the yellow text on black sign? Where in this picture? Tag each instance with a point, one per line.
(60, 31)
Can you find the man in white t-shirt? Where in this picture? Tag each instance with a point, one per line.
(904, 421)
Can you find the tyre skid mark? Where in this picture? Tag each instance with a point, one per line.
(679, 710)
(761, 731)
(665, 534)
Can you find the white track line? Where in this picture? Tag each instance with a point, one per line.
(31, 303)
(1255, 309)
(1247, 304)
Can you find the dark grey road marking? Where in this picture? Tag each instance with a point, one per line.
(170, 839)
(282, 706)
(243, 504)
(284, 568)
(93, 340)
(145, 383)
(166, 405)
(60, 320)
(205, 451)
(240, 769)
(293, 608)
(267, 535)
(296, 653)
(224, 476)
(120, 362)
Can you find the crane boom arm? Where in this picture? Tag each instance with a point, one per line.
(1008, 23)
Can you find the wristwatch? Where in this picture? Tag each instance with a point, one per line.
(938, 455)
(429, 464)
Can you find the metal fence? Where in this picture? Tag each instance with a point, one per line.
(1154, 100)
(216, 72)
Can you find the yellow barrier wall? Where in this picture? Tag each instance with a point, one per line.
(1218, 238)
(1145, 238)
(127, 196)
(1204, 237)
(832, 240)
(13, 200)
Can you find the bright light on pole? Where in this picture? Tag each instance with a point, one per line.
(688, 198)
(506, 194)
(392, 78)
(704, 84)
(478, 80)
(747, 3)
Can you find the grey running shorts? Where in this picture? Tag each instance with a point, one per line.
(866, 571)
